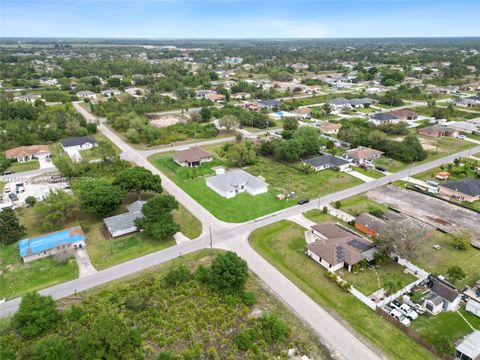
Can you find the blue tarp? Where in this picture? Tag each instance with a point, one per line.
(48, 241)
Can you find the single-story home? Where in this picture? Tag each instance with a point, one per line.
(217, 98)
(268, 104)
(327, 161)
(78, 143)
(384, 118)
(134, 91)
(335, 248)
(123, 224)
(191, 157)
(369, 224)
(438, 130)
(240, 96)
(111, 92)
(464, 190)
(27, 153)
(87, 95)
(303, 112)
(31, 98)
(234, 182)
(362, 154)
(468, 348)
(204, 94)
(329, 128)
(404, 114)
(463, 126)
(450, 296)
(52, 243)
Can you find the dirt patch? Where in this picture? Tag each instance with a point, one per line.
(165, 120)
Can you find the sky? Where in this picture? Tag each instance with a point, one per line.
(238, 18)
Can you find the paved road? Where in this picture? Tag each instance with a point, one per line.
(234, 236)
(15, 177)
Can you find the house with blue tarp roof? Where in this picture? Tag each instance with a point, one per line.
(65, 240)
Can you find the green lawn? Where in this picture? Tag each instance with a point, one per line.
(438, 261)
(244, 206)
(456, 172)
(457, 115)
(369, 172)
(447, 323)
(17, 278)
(283, 245)
(390, 165)
(358, 204)
(18, 167)
(368, 281)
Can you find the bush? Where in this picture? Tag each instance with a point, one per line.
(53, 347)
(137, 301)
(376, 212)
(245, 338)
(324, 210)
(177, 275)
(445, 345)
(229, 272)
(249, 298)
(30, 201)
(338, 204)
(36, 315)
(273, 329)
(166, 355)
(202, 274)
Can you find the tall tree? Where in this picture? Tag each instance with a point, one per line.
(138, 179)
(229, 272)
(58, 208)
(228, 121)
(101, 199)
(53, 347)
(158, 219)
(10, 228)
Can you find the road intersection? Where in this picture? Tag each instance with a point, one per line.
(234, 237)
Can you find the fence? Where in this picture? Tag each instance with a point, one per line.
(401, 292)
(364, 299)
(414, 335)
(419, 272)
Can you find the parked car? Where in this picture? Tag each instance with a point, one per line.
(7, 190)
(400, 317)
(13, 196)
(8, 172)
(405, 309)
(303, 201)
(380, 168)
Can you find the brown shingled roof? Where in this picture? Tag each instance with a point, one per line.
(363, 153)
(194, 154)
(26, 151)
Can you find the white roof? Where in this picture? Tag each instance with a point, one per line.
(229, 180)
(470, 345)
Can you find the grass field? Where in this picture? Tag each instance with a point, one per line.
(457, 172)
(244, 206)
(369, 172)
(17, 278)
(457, 114)
(283, 245)
(447, 323)
(368, 281)
(189, 319)
(358, 204)
(19, 167)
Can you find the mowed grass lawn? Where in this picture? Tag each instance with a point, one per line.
(447, 323)
(375, 174)
(18, 167)
(456, 172)
(244, 206)
(283, 245)
(368, 281)
(358, 204)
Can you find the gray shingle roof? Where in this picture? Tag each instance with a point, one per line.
(384, 117)
(126, 220)
(327, 159)
(469, 187)
(229, 180)
(371, 222)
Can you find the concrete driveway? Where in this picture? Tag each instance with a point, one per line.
(85, 267)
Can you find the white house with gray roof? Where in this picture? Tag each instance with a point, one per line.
(123, 224)
(234, 182)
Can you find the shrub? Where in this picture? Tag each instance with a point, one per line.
(445, 345)
(245, 338)
(177, 275)
(202, 274)
(137, 301)
(53, 347)
(338, 204)
(166, 355)
(36, 314)
(229, 272)
(30, 200)
(376, 212)
(273, 329)
(249, 298)
(324, 210)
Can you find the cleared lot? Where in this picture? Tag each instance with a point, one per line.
(440, 214)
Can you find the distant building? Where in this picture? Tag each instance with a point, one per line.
(327, 162)
(468, 348)
(27, 153)
(78, 143)
(464, 190)
(360, 155)
(192, 157)
(268, 104)
(87, 95)
(65, 240)
(111, 92)
(123, 224)
(31, 98)
(384, 118)
(404, 114)
(329, 128)
(438, 130)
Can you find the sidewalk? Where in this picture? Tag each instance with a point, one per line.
(359, 175)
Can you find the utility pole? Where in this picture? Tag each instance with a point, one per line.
(409, 172)
(318, 207)
(211, 241)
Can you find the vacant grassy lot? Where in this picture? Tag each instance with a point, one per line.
(390, 165)
(368, 281)
(457, 172)
(358, 204)
(447, 323)
(438, 261)
(369, 172)
(283, 245)
(18, 167)
(457, 114)
(189, 319)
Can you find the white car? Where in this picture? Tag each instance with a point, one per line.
(400, 317)
(408, 312)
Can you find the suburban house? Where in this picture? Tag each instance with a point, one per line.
(27, 153)
(204, 94)
(341, 102)
(464, 126)
(234, 182)
(369, 224)
(438, 130)
(303, 112)
(123, 224)
(134, 91)
(470, 101)
(329, 128)
(65, 240)
(111, 92)
(327, 161)
(191, 157)
(384, 118)
(335, 248)
(468, 348)
(268, 104)
(240, 96)
(217, 98)
(87, 95)
(360, 155)
(78, 143)
(31, 98)
(404, 114)
(464, 190)
(450, 296)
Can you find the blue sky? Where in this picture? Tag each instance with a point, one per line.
(238, 18)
